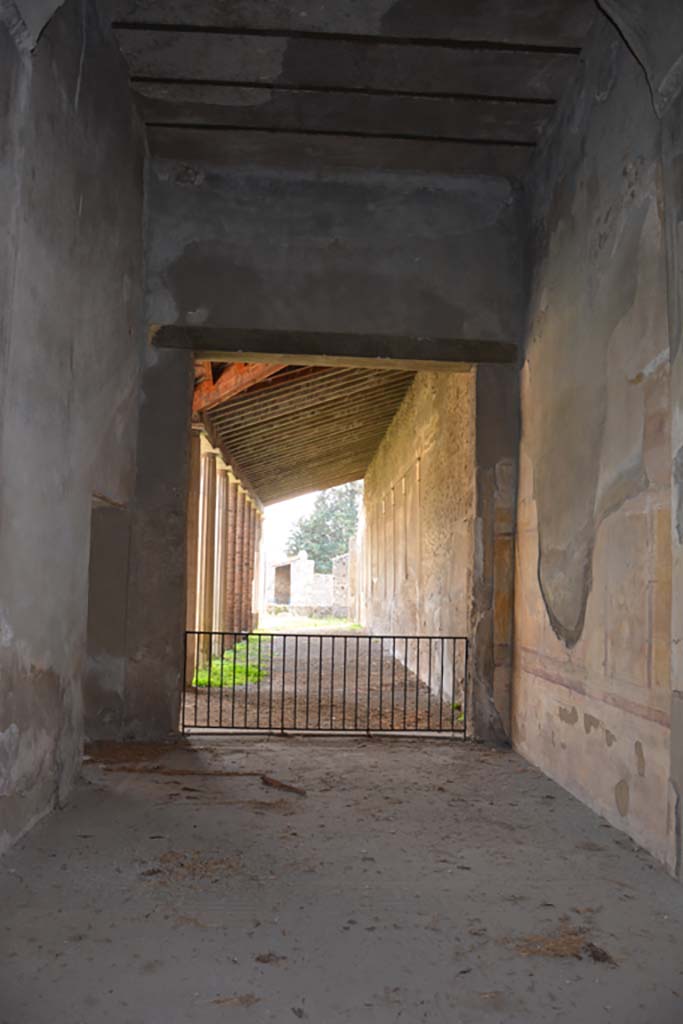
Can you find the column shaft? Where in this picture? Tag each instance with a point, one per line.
(208, 553)
(193, 495)
(239, 547)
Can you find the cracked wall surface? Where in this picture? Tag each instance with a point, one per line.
(71, 172)
(592, 686)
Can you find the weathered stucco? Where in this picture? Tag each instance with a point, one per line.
(71, 171)
(354, 253)
(673, 192)
(439, 504)
(419, 508)
(156, 611)
(593, 590)
(419, 517)
(491, 618)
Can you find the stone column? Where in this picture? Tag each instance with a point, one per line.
(230, 554)
(496, 447)
(256, 604)
(244, 594)
(250, 567)
(222, 484)
(158, 565)
(193, 495)
(207, 553)
(239, 544)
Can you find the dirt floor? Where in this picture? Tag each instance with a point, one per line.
(414, 881)
(348, 682)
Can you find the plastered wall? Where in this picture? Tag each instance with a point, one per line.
(347, 253)
(419, 511)
(592, 686)
(71, 172)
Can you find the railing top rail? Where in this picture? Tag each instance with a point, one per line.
(349, 633)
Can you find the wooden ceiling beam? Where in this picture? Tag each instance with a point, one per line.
(233, 380)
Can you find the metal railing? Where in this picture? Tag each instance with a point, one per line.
(325, 683)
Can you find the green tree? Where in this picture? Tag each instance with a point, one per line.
(326, 532)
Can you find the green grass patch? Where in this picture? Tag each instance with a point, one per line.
(235, 667)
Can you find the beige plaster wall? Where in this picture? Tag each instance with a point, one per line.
(591, 684)
(419, 510)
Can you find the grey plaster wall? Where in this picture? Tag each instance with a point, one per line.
(592, 687)
(157, 595)
(71, 173)
(655, 34)
(104, 681)
(496, 434)
(358, 253)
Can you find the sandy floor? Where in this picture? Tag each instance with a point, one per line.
(415, 881)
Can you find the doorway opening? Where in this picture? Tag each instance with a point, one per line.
(283, 584)
(398, 663)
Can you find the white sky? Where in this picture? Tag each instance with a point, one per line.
(278, 521)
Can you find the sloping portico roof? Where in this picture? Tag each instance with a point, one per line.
(293, 429)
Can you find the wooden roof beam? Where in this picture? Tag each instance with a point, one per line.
(233, 380)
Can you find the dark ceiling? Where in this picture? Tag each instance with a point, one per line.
(443, 86)
(307, 428)
(425, 86)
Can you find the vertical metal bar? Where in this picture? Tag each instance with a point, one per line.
(296, 672)
(332, 684)
(344, 685)
(405, 686)
(455, 653)
(367, 724)
(246, 680)
(284, 665)
(381, 681)
(429, 686)
(355, 702)
(270, 684)
(195, 678)
(443, 649)
(308, 678)
(465, 689)
(258, 683)
(320, 681)
(220, 698)
(393, 681)
(417, 685)
(184, 701)
(233, 651)
(208, 682)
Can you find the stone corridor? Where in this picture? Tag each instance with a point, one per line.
(412, 882)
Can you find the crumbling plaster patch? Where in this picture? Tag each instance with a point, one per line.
(599, 276)
(593, 587)
(678, 498)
